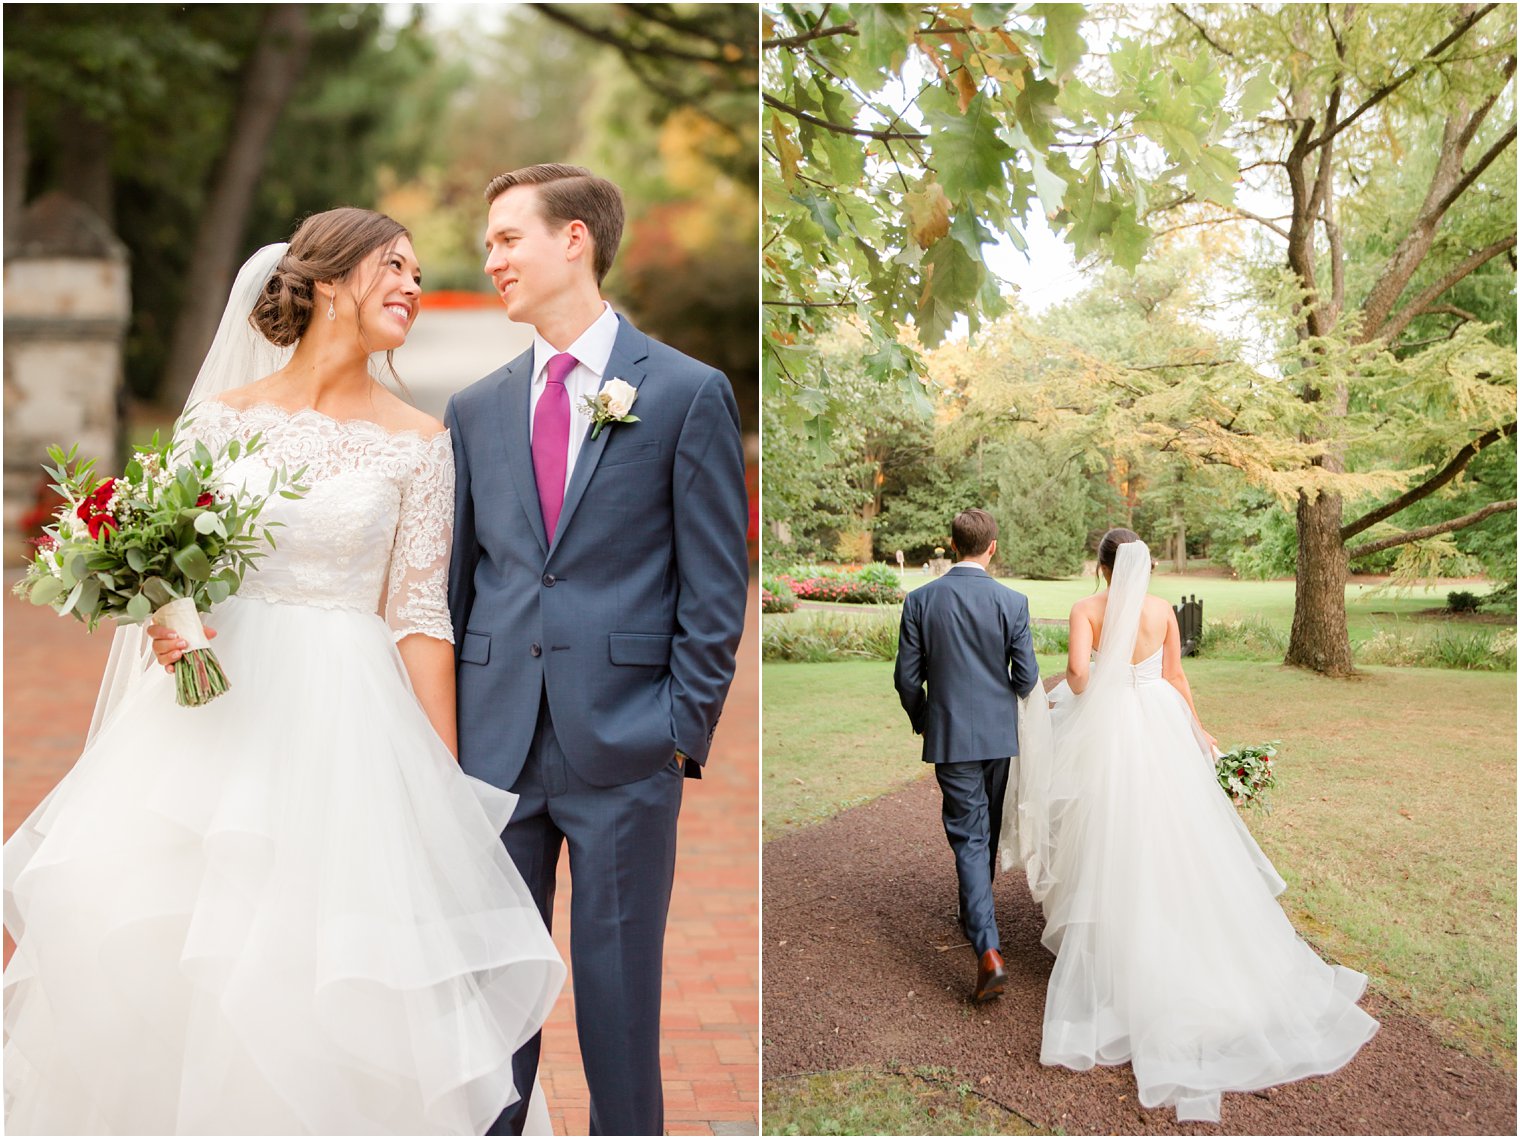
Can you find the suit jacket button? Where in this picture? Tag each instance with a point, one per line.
(536, 649)
(549, 580)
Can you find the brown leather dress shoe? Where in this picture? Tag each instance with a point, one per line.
(990, 977)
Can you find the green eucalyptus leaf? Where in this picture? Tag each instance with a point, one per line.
(159, 592)
(72, 599)
(46, 590)
(89, 596)
(193, 563)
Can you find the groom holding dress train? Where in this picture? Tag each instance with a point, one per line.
(965, 638)
(597, 588)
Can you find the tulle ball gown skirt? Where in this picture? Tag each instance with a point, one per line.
(1172, 952)
(286, 912)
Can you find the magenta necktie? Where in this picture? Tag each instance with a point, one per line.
(551, 440)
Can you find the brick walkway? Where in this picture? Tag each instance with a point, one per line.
(711, 1015)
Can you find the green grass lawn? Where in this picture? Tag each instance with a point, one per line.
(834, 736)
(1368, 609)
(1394, 819)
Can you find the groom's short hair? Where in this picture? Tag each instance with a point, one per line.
(573, 193)
(972, 532)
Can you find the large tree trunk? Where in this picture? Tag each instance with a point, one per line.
(1319, 639)
(1179, 521)
(84, 162)
(16, 158)
(269, 80)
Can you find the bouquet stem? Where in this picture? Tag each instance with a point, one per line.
(198, 675)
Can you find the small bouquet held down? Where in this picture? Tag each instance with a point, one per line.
(1246, 774)
(168, 539)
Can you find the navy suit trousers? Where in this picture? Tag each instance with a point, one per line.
(973, 816)
(622, 865)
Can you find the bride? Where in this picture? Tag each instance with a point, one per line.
(287, 911)
(1172, 953)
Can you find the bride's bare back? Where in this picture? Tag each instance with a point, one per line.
(1158, 625)
(1158, 630)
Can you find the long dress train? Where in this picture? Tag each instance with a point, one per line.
(287, 911)
(1172, 953)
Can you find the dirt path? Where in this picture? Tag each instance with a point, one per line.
(864, 967)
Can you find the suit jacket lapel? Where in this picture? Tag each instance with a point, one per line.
(515, 394)
(629, 351)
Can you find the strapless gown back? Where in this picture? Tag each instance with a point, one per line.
(1172, 953)
(288, 911)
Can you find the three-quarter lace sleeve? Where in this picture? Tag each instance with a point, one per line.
(417, 598)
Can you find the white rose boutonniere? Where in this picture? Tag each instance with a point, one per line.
(610, 405)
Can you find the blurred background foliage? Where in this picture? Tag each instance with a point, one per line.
(201, 131)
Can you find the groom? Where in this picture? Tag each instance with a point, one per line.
(597, 591)
(965, 638)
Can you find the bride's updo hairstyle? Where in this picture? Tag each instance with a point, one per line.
(1108, 547)
(325, 247)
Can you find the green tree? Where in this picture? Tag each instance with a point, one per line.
(1027, 378)
(916, 514)
(809, 501)
(900, 140)
(828, 491)
(1352, 90)
(1041, 510)
(195, 131)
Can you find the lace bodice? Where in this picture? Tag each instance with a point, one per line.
(374, 530)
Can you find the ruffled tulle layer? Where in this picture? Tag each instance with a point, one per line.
(1172, 952)
(285, 912)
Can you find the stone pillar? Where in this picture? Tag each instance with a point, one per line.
(67, 304)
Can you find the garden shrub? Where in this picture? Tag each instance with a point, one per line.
(1481, 650)
(1245, 638)
(776, 596)
(873, 585)
(821, 636)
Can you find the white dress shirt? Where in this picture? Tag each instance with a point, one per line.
(973, 565)
(591, 349)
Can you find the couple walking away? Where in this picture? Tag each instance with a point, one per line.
(1172, 954)
(290, 911)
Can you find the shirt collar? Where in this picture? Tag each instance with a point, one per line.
(970, 565)
(593, 348)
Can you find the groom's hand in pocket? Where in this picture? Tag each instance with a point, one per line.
(169, 646)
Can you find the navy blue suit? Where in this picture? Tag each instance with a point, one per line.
(586, 664)
(964, 658)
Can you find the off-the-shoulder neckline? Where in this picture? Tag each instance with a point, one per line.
(266, 405)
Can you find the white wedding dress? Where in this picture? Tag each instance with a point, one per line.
(287, 911)
(1172, 953)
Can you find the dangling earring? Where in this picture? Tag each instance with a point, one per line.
(331, 312)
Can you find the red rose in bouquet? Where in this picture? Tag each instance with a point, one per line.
(95, 510)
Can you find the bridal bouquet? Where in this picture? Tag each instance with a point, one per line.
(167, 539)
(1246, 773)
